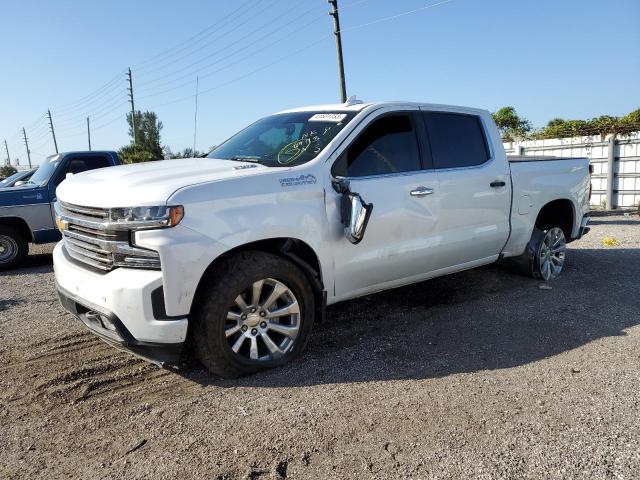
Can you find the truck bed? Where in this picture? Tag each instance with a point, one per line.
(539, 158)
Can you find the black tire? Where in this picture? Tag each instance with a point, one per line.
(216, 297)
(529, 263)
(13, 248)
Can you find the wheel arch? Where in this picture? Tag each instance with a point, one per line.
(19, 224)
(561, 213)
(295, 250)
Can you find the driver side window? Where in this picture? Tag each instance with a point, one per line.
(388, 145)
(81, 164)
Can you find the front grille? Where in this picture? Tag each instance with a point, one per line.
(91, 213)
(88, 239)
(86, 242)
(87, 247)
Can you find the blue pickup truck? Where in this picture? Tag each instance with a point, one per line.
(26, 212)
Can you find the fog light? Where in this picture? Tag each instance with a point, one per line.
(106, 323)
(100, 320)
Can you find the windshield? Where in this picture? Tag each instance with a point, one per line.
(10, 179)
(46, 169)
(284, 140)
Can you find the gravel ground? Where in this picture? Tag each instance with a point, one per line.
(482, 374)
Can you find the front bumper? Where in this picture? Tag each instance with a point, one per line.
(118, 307)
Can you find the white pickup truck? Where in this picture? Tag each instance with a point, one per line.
(236, 255)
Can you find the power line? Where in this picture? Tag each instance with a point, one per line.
(40, 120)
(104, 100)
(74, 104)
(393, 17)
(97, 112)
(105, 97)
(296, 52)
(277, 30)
(215, 40)
(94, 117)
(228, 65)
(176, 49)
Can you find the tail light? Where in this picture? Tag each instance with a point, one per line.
(590, 185)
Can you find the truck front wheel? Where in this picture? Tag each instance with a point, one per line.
(13, 248)
(254, 311)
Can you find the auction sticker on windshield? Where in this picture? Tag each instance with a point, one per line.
(328, 117)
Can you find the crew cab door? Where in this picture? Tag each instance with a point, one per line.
(474, 187)
(386, 163)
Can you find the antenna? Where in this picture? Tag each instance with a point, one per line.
(352, 100)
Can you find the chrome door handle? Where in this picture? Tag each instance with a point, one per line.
(421, 192)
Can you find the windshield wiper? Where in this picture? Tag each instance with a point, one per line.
(245, 159)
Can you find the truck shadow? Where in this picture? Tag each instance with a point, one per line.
(629, 221)
(481, 319)
(34, 263)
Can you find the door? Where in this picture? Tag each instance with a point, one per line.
(77, 164)
(474, 189)
(385, 164)
(74, 163)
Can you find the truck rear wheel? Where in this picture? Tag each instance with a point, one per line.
(254, 312)
(550, 254)
(544, 256)
(13, 248)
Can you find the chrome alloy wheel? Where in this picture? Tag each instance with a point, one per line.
(8, 249)
(552, 253)
(263, 322)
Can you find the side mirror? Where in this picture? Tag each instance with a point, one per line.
(355, 214)
(19, 182)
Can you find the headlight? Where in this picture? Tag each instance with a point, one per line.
(145, 217)
(142, 218)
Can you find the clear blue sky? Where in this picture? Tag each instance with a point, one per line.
(548, 58)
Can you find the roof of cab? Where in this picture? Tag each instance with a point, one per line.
(86, 152)
(357, 107)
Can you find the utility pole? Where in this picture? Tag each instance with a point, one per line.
(55, 144)
(88, 133)
(336, 30)
(133, 108)
(26, 144)
(6, 147)
(195, 119)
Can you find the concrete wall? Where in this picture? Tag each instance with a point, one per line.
(625, 158)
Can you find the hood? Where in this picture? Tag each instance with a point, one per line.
(149, 183)
(23, 195)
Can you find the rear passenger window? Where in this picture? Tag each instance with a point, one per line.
(388, 145)
(457, 140)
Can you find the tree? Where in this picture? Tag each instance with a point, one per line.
(146, 145)
(7, 171)
(602, 125)
(135, 154)
(188, 153)
(511, 126)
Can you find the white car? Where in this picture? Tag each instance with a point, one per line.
(238, 254)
